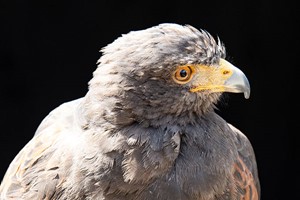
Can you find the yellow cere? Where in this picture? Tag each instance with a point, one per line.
(212, 77)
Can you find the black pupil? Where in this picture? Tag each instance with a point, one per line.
(183, 73)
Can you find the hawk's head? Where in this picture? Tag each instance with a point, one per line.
(163, 74)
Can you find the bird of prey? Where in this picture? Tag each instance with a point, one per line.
(146, 129)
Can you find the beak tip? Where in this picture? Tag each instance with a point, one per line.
(247, 95)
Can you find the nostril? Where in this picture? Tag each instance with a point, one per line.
(225, 72)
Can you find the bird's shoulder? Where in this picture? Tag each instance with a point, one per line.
(64, 115)
(36, 166)
(245, 174)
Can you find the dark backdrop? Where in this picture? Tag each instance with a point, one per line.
(49, 50)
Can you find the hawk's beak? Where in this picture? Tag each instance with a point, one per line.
(223, 78)
(237, 82)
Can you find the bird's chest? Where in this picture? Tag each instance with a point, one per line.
(200, 171)
(193, 162)
(196, 173)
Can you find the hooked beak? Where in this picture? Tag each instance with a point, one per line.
(222, 78)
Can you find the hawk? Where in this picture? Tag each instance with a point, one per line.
(146, 129)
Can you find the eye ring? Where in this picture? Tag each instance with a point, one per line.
(183, 74)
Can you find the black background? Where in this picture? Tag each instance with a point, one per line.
(49, 50)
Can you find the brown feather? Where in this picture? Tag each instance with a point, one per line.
(244, 182)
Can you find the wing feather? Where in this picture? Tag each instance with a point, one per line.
(37, 169)
(245, 176)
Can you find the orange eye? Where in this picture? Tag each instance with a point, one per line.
(183, 74)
